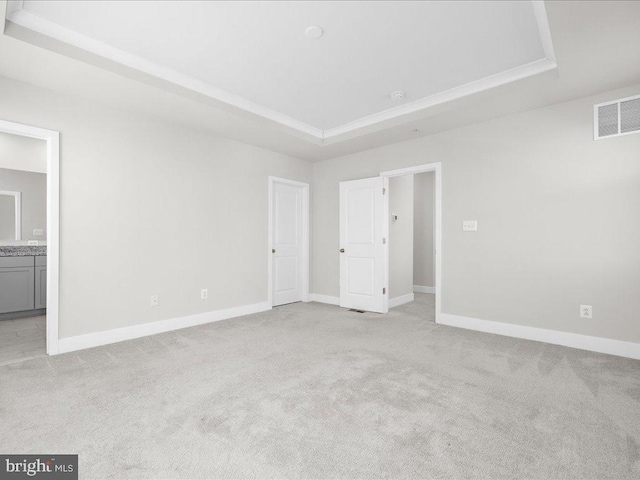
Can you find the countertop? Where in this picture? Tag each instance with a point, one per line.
(23, 251)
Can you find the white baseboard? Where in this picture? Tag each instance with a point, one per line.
(567, 339)
(316, 297)
(90, 340)
(423, 289)
(396, 302)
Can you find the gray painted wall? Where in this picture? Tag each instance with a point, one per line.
(557, 213)
(401, 236)
(23, 153)
(149, 207)
(7, 217)
(423, 217)
(33, 187)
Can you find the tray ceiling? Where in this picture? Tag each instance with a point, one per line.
(255, 56)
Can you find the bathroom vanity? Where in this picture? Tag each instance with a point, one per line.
(23, 280)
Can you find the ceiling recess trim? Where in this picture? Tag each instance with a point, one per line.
(19, 16)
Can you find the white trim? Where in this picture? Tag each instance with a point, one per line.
(17, 205)
(477, 86)
(567, 339)
(423, 289)
(401, 300)
(540, 11)
(91, 340)
(16, 14)
(305, 237)
(435, 167)
(385, 233)
(53, 221)
(28, 20)
(14, 6)
(596, 120)
(328, 299)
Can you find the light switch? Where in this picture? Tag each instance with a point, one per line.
(469, 225)
(38, 231)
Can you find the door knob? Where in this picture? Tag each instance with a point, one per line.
(273, 250)
(342, 250)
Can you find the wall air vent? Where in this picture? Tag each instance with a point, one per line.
(620, 117)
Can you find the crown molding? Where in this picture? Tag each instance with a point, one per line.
(50, 29)
(23, 18)
(477, 86)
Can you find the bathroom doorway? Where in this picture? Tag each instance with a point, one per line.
(28, 242)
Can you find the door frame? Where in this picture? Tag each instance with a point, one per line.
(53, 221)
(305, 237)
(17, 208)
(435, 167)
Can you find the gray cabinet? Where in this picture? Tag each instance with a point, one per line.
(23, 283)
(17, 285)
(41, 282)
(41, 287)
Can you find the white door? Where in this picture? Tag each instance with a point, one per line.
(287, 246)
(363, 250)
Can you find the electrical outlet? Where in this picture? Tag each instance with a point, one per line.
(154, 301)
(204, 294)
(586, 311)
(38, 232)
(32, 242)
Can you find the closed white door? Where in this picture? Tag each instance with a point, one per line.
(363, 249)
(287, 246)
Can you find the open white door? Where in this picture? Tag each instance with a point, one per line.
(363, 250)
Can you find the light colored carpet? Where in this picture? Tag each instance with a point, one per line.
(315, 391)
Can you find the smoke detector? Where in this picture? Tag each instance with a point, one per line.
(399, 95)
(314, 32)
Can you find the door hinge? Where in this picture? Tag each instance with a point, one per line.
(384, 240)
(384, 291)
(384, 190)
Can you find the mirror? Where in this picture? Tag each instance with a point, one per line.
(10, 215)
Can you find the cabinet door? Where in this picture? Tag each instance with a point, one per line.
(16, 289)
(41, 287)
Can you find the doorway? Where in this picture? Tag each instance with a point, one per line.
(365, 228)
(288, 241)
(414, 267)
(31, 263)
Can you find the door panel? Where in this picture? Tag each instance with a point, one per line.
(287, 243)
(362, 282)
(360, 210)
(363, 250)
(17, 289)
(286, 273)
(41, 287)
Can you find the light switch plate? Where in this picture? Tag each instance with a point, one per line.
(38, 231)
(469, 225)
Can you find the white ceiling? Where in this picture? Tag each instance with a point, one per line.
(255, 55)
(596, 44)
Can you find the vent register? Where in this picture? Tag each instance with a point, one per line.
(620, 117)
